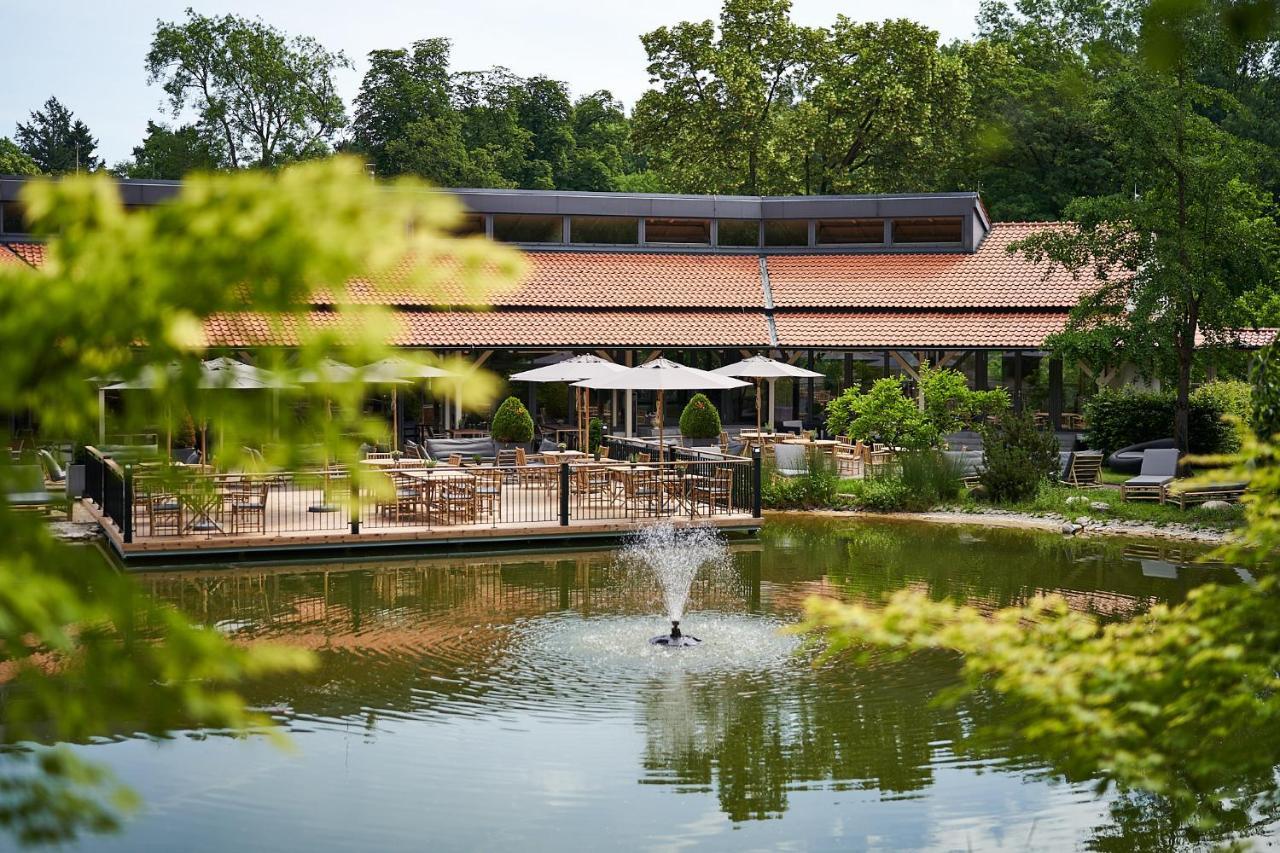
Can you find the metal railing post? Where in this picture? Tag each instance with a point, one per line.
(353, 490)
(757, 467)
(126, 488)
(564, 494)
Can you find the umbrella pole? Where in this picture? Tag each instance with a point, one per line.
(168, 434)
(395, 419)
(758, 389)
(661, 406)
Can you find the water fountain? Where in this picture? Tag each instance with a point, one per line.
(675, 555)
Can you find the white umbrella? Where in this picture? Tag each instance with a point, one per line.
(760, 367)
(402, 369)
(575, 369)
(662, 375)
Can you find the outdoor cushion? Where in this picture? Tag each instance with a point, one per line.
(1148, 480)
(52, 469)
(1064, 463)
(440, 448)
(547, 446)
(790, 459)
(1128, 460)
(967, 461)
(1159, 462)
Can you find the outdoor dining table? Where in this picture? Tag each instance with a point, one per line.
(469, 433)
(562, 455)
(389, 464)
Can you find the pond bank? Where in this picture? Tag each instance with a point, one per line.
(1052, 523)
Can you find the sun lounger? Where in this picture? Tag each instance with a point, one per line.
(25, 489)
(1159, 467)
(1083, 467)
(1192, 495)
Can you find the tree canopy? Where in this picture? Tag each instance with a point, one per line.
(269, 98)
(57, 142)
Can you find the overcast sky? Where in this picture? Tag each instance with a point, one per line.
(90, 54)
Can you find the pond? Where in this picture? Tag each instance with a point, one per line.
(513, 702)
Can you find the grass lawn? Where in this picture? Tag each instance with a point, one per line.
(1053, 499)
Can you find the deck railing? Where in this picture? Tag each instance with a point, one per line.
(146, 501)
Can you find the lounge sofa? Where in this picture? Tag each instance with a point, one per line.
(467, 448)
(1128, 460)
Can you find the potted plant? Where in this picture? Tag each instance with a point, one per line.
(562, 447)
(396, 455)
(431, 463)
(512, 424)
(700, 421)
(477, 459)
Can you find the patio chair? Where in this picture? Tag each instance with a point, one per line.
(53, 472)
(249, 501)
(507, 457)
(455, 460)
(849, 459)
(643, 489)
(1084, 468)
(164, 514)
(644, 458)
(457, 500)
(488, 484)
(790, 460)
(1159, 468)
(714, 491)
(377, 454)
(591, 486)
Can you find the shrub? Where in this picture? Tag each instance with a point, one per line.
(186, 436)
(1119, 418)
(1264, 415)
(950, 405)
(930, 478)
(879, 494)
(815, 488)
(511, 423)
(700, 418)
(883, 414)
(1017, 457)
(1211, 405)
(595, 434)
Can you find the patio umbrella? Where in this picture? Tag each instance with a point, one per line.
(221, 373)
(327, 371)
(662, 375)
(402, 369)
(759, 368)
(574, 369)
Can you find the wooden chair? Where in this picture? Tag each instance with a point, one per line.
(591, 486)
(644, 458)
(455, 459)
(488, 484)
(508, 457)
(1086, 466)
(399, 497)
(1159, 468)
(377, 454)
(1198, 494)
(850, 461)
(641, 489)
(248, 501)
(714, 490)
(457, 500)
(164, 513)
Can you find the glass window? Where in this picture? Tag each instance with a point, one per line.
(471, 223)
(612, 230)
(678, 231)
(936, 229)
(839, 232)
(520, 228)
(12, 218)
(738, 232)
(786, 232)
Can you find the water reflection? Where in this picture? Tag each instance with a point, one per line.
(555, 645)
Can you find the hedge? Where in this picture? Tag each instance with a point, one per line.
(1129, 416)
(700, 418)
(511, 423)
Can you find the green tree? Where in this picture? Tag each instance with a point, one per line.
(404, 119)
(84, 652)
(512, 423)
(269, 97)
(700, 418)
(13, 161)
(886, 109)
(1177, 255)
(603, 157)
(171, 154)
(57, 142)
(883, 414)
(713, 121)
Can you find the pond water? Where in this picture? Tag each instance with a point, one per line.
(513, 702)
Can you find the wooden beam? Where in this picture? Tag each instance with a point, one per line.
(903, 363)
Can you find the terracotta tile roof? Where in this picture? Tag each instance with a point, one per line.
(1239, 338)
(987, 278)
(917, 328)
(569, 279)
(32, 253)
(7, 257)
(507, 328)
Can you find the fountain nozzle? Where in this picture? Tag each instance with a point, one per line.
(676, 639)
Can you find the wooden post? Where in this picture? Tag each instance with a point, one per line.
(981, 379)
(1055, 393)
(1017, 380)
